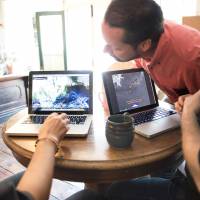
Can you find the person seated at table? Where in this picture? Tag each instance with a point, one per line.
(35, 183)
(177, 188)
(185, 188)
(191, 135)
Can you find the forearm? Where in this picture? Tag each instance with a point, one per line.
(191, 145)
(38, 176)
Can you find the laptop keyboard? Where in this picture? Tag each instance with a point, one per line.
(39, 119)
(151, 115)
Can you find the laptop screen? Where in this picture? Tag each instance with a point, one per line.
(129, 91)
(67, 91)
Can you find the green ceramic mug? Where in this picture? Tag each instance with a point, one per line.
(120, 130)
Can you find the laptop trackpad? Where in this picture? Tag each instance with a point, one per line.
(151, 129)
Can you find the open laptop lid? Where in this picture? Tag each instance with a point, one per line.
(60, 91)
(130, 90)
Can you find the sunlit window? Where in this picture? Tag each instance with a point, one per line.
(84, 41)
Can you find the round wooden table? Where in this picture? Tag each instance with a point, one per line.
(91, 160)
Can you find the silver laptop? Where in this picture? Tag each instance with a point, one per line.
(58, 91)
(133, 91)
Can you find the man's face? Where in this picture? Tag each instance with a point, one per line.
(115, 45)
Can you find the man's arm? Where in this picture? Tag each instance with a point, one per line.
(38, 176)
(191, 135)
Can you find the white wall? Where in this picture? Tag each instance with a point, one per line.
(198, 7)
(175, 9)
(1, 25)
(19, 34)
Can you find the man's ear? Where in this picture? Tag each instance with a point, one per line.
(145, 45)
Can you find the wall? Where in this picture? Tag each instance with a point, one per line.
(175, 9)
(198, 7)
(85, 41)
(1, 26)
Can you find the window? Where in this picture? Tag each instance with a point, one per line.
(83, 45)
(51, 40)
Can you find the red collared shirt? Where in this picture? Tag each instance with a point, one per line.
(175, 66)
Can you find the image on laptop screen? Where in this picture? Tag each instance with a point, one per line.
(129, 90)
(60, 92)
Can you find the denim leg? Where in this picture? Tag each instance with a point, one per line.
(14, 179)
(142, 189)
(166, 173)
(86, 195)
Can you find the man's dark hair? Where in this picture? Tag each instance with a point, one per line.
(141, 19)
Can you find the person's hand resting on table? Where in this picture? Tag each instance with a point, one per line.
(180, 102)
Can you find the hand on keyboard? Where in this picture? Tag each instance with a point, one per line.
(55, 126)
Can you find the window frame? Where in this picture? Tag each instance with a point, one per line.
(46, 13)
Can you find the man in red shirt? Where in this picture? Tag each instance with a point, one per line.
(169, 52)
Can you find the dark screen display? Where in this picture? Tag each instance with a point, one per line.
(129, 91)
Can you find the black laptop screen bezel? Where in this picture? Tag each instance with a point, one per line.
(87, 111)
(107, 76)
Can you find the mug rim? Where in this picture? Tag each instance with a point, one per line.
(124, 116)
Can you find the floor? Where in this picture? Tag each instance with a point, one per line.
(9, 165)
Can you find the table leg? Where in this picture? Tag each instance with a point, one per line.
(99, 187)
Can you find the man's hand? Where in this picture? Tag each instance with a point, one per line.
(179, 104)
(192, 104)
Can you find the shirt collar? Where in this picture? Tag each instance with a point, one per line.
(161, 48)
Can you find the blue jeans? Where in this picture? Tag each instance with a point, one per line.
(146, 189)
(138, 189)
(86, 195)
(14, 179)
